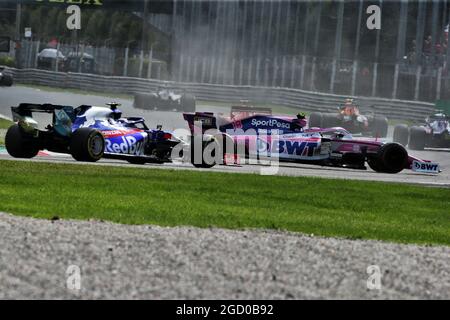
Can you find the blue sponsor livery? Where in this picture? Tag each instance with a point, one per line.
(260, 123)
(429, 167)
(298, 148)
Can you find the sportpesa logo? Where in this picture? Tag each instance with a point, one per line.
(273, 123)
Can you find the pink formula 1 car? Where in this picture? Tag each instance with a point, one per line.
(287, 139)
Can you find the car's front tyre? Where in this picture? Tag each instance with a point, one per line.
(390, 158)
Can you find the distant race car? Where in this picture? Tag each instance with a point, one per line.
(350, 118)
(165, 100)
(434, 133)
(254, 136)
(90, 133)
(5, 79)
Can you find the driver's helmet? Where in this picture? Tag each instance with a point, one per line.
(164, 93)
(301, 115)
(116, 113)
(349, 101)
(301, 119)
(349, 108)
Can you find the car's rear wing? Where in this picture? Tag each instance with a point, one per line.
(199, 122)
(27, 109)
(245, 111)
(63, 116)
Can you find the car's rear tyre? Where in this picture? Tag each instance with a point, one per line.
(329, 120)
(401, 134)
(207, 148)
(19, 145)
(152, 102)
(87, 144)
(141, 100)
(380, 126)
(417, 138)
(7, 80)
(391, 158)
(187, 103)
(315, 120)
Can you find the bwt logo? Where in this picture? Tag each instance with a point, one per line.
(290, 147)
(423, 166)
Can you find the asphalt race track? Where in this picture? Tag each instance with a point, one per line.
(173, 120)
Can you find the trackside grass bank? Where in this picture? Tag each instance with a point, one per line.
(4, 125)
(350, 209)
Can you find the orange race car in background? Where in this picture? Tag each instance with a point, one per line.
(350, 118)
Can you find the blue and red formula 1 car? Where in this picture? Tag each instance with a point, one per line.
(90, 133)
(288, 139)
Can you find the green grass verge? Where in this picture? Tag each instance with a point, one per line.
(5, 124)
(350, 209)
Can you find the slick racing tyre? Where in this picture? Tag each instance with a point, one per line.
(206, 156)
(7, 80)
(187, 103)
(19, 145)
(315, 120)
(401, 134)
(417, 138)
(151, 102)
(142, 101)
(380, 126)
(87, 144)
(391, 158)
(329, 120)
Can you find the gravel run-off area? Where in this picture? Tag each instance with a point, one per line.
(151, 262)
